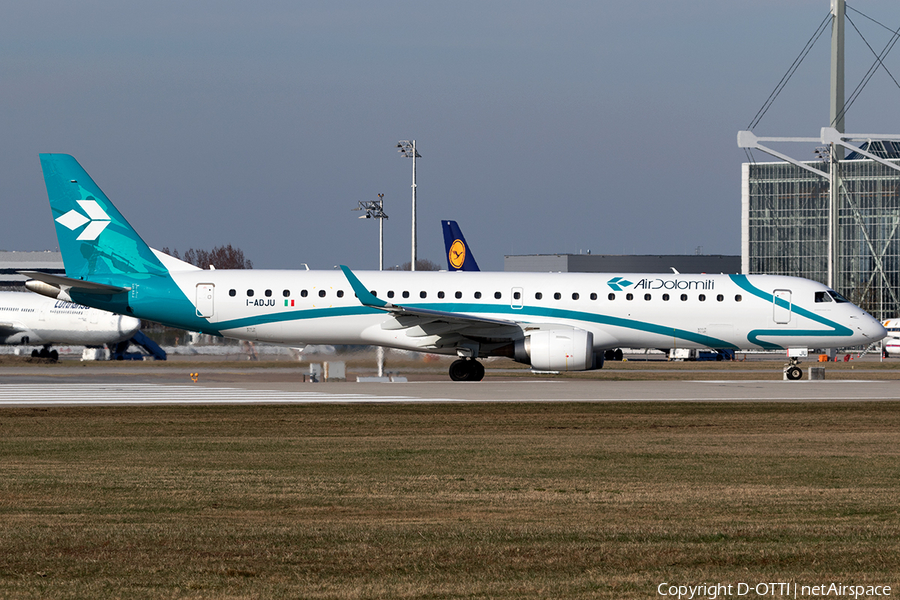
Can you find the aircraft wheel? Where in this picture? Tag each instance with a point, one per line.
(794, 373)
(35, 353)
(459, 370)
(54, 355)
(618, 354)
(477, 371)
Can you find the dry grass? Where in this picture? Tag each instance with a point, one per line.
(444, 501)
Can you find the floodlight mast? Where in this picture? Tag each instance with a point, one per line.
(375, 210)
(408, 149)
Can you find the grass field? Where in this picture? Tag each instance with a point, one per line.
(445, 501)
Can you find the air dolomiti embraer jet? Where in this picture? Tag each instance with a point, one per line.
(552, 321)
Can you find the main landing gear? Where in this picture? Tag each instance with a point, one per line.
(45, 352)
(466, 369)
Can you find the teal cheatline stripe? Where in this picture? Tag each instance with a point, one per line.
(296, 315)
(836, 329)
(533, 312)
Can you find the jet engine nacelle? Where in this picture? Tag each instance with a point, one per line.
(567, 349)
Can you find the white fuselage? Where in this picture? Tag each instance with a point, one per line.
(620, 310)
(30, 319)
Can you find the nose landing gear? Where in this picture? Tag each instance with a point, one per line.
(792, 371)
(466, 369)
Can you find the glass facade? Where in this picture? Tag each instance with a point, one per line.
(785, 228)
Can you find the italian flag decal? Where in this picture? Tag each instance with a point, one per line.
(289, 302)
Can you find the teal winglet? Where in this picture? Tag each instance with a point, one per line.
(364, 295)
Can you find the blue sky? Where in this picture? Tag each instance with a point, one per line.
(543, 127)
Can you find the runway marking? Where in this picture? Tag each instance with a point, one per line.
(147, 394)
(104, 394)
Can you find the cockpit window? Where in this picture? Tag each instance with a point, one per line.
(823, 297)
(837, 297)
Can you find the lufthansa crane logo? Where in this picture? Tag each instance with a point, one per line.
(96, 220)
(457, 254)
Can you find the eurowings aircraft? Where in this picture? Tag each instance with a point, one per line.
(552, 321)
(27, 319)
(459, 255)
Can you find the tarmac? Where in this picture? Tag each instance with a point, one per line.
(79, 384)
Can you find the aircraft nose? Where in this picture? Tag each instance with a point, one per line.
(129, 325)
(872, 329)
(879, 331)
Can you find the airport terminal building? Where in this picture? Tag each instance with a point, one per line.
(785, 225)
(623, 263)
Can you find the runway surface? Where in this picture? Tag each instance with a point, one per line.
(111, 387)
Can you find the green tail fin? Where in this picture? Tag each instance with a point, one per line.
(96, 242)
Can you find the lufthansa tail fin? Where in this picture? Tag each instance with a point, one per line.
(459, 255)
(96, 242)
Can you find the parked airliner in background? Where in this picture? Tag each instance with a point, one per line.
(552, 321)
(892, 341)
(459, 255)
(30, 320)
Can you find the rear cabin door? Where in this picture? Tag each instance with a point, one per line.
(205, 300)
(781, 306)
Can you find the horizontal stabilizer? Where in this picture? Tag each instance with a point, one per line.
(87, 287)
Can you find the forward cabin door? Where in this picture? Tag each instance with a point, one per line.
(781, 306)
(206, 300)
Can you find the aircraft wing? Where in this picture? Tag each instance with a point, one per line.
(449, 327)
(368, 299)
